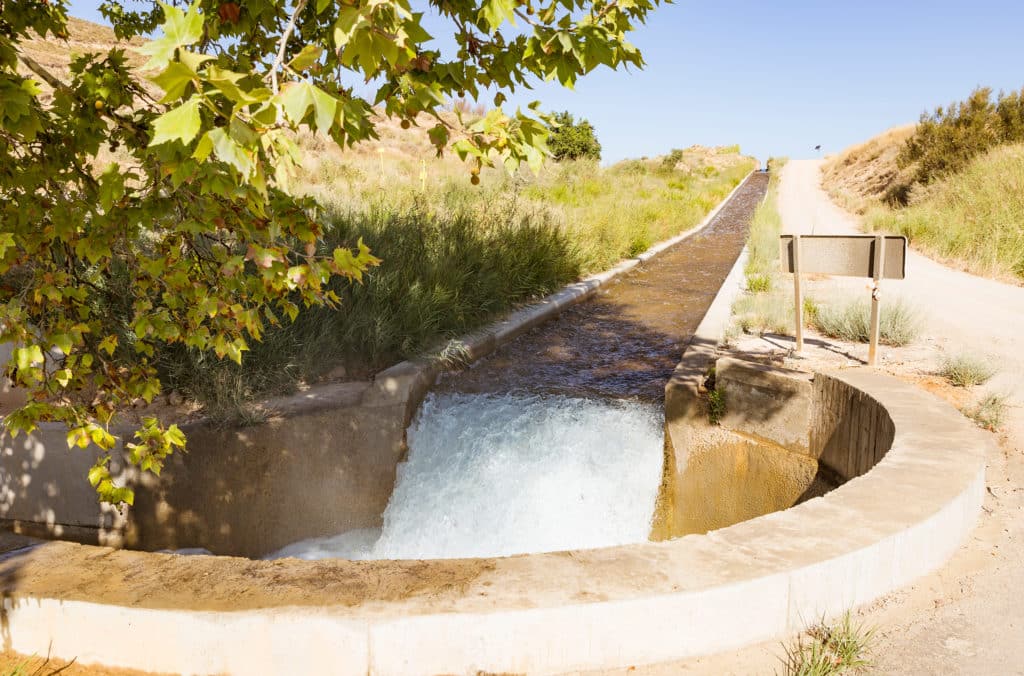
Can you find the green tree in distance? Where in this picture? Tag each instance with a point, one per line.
(572, 140)
(195, 238)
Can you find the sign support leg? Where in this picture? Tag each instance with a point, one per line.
(798, 295)
(876, 290)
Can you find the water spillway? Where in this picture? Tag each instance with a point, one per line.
(555, 440)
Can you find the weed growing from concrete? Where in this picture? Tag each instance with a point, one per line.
(826, 649)
(989, 412)
(965, 370)
(716, 406)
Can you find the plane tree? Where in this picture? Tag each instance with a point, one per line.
(151, 205)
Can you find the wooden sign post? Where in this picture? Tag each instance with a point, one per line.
(877, 257)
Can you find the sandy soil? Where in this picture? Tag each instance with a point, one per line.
(13, 664)
(967, 617)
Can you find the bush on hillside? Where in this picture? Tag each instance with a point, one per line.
(947, 139)
(573, 140)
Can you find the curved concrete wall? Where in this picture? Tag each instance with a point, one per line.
(544, 613)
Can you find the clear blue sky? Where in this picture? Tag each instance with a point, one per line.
(779, 77)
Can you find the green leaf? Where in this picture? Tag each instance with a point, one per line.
(6, 242)
(174, 80)
(62, 342)
(27, 357)
(180, 124)
(180, 29)
(227, 82)
(227, 150)
(309, 55)
(494, 12)
(109, 344)
(297, 98)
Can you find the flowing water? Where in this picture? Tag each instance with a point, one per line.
(555, 441)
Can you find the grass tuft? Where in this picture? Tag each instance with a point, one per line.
(764, 313)
(849, 319)
(966, 370)
(827, 650)
(989, 412)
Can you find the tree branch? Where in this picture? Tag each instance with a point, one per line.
(47, 76)
(279, 60)
(54, 82)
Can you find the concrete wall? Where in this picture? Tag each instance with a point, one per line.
(766, 402)
(785, 437)
(756, 462)
(850, 430)
(323, 463)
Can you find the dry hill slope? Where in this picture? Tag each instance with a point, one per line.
(866, 172)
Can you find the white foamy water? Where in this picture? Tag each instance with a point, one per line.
(493, 475)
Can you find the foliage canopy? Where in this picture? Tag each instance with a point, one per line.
(572, 140)
(191, 236)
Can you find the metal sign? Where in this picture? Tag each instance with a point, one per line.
(846, 255)
(875, 256)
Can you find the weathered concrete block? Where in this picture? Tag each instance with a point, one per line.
(405, 384)
(766, 402)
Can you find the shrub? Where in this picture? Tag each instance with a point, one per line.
(759, 283)
(669, 162)
(947, 139)
(965, 370)
(764, 313)
(849, 319)
(573, 140)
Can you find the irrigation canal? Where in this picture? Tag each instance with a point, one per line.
(555, 440)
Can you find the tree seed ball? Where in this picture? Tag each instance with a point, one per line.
(475, 180)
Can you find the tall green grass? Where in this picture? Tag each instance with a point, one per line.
(766, 307)
(454, 256)
(975, 217)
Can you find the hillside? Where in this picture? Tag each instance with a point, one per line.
(867, 173)
(84, 37)
(971, 218)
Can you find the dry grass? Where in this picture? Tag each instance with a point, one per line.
(966, 370)
(972, 218)
(849, 318)
(989, 412)
(830, 649)
(862, 175)
(84, 37)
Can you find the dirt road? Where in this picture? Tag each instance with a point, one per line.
(968, 617)
(963, 312)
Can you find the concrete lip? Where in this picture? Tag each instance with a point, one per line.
(542, 613)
